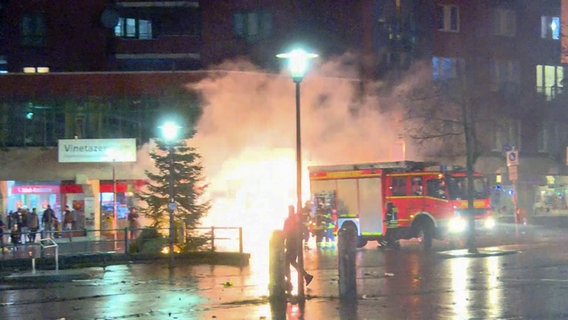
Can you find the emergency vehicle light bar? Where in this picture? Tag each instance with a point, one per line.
(394, 165)
(442, 168)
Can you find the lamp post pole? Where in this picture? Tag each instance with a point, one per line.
(170, 132)
(114, 213)
(299, 217)
(172, 203)
(298, 65)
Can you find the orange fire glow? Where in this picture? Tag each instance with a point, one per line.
(253, 192)
(246, 136)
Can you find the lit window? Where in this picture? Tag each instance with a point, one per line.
(445, 68)
(504, 22)
(448, 18)
(549, 80)
(144, 29)
(252, 25)
(550, 27)
(35, 69)
(130, 28)
(133, 28)
(3, 65)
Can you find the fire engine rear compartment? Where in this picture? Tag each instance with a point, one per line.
(370, 206)
(358, 200)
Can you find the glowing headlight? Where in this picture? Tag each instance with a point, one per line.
(489, 223)
(457, 225)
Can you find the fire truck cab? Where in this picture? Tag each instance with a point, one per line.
(426, 201)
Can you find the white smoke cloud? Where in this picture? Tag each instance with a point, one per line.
(247, 134)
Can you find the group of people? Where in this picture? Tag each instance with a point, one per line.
(23, 225)
(323, 227)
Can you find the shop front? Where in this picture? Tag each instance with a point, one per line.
(550, 199)
(58, 194)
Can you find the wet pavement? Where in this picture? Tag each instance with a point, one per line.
(512, 278)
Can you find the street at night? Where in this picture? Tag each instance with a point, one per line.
(512, 277)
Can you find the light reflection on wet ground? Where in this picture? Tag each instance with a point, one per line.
(405, 284)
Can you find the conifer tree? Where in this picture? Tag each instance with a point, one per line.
(187, 172)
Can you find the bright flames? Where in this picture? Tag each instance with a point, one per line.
(253, 191)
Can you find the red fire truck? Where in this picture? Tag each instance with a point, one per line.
(430, 201)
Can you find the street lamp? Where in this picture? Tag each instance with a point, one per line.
(170, 132)
(298, 61)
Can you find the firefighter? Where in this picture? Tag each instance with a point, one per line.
(320, 226)
(391, 220)
(329, 231)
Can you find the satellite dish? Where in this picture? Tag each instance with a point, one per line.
(109, 18)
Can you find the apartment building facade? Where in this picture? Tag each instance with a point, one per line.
(103, 69)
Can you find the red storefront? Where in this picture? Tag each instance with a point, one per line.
(59, 194)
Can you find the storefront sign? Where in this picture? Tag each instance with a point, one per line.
(97, 150)
(35, 189)
(47, 189)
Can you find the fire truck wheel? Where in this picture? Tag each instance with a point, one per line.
(425, 234)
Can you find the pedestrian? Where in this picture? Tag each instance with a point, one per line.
(1, 234)
(15, 231)
(292, 237)
(47, 219)
(23, 212)
(134, 224)
(33, 225)
(67, 219)
(330, 231)
(57, 229)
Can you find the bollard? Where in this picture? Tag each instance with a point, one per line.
(347, 245)
(277, 265)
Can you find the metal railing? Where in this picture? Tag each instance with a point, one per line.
(76, 242)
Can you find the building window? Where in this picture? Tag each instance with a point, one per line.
(398, 187)
(504, 22)
(2, 23)
(547, 136)
(3, 65)
(448, 18)
(549, 80)
(444, 69)
(133, 28)
(505, 76)
(550, 27)
(33, 32)
(507, 134)
(252, 25)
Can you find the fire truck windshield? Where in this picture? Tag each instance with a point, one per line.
(457, 187)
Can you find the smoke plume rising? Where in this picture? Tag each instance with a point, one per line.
(247, 134)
